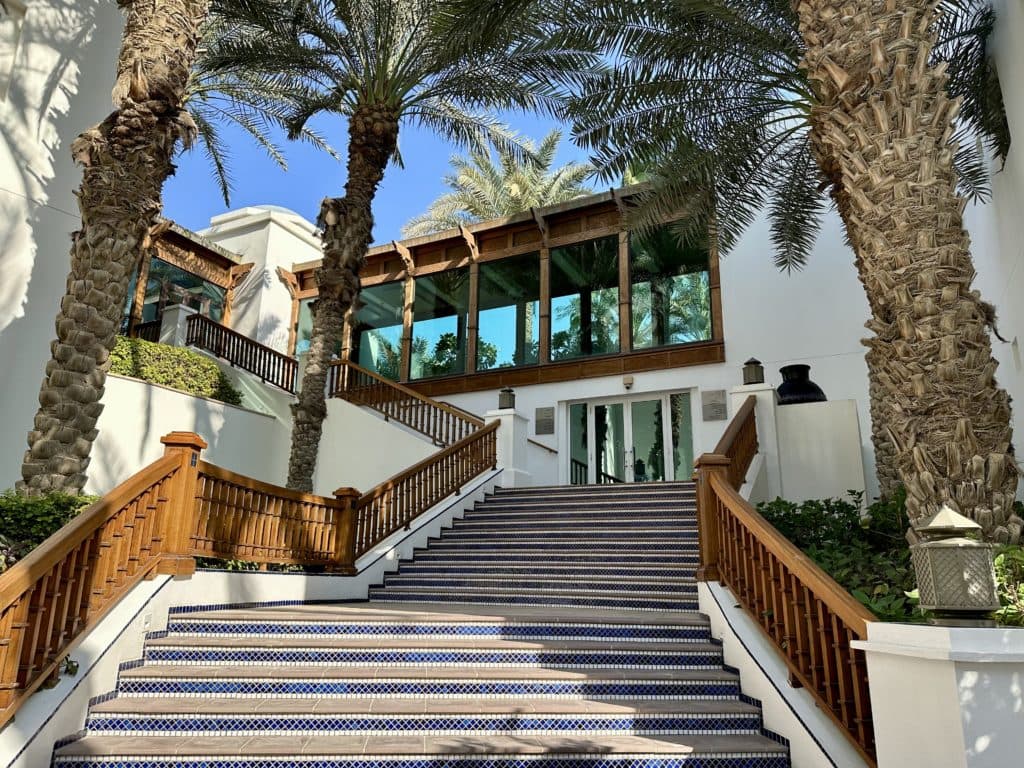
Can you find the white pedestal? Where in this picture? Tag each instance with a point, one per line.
(174, 324)
(512, 439)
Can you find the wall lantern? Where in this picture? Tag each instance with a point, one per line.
(506, 399)
(753, 371)
(955, 574)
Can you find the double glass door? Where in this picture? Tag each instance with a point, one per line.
(635, 440)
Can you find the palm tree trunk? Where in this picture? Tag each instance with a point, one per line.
(127, 159)
(347, 230)
(888, 125)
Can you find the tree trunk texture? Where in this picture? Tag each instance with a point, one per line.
(888, 124)
(347, 230)
(126, 160)
(878, 396)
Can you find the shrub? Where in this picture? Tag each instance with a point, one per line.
(27, 521)
(174, 367)
(1010, 579)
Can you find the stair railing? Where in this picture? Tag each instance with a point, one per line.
(811, 620)
(268, 364)
(442, 423)
(180, 507)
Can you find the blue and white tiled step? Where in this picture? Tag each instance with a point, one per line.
(533, 634)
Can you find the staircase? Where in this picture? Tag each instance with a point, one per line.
(552, 627)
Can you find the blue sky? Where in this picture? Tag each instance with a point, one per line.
(191, 196)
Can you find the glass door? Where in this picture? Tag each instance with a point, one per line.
(639, 440)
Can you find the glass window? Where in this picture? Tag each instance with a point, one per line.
(304, 325)
(509, 312)
(671, 293)
(585, 299)
(12, 20)
(440, 315)
(377, 329)
(168, 284)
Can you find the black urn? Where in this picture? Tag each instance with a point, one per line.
(797, 387)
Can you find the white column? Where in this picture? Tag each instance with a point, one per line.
(174, 324)
(512, 437)
(767, 429)
(949, 696)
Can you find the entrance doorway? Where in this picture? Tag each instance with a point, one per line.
(647, 438)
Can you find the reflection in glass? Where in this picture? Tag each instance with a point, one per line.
(509, 312)
(440, 315)
(610, 429)
(671, 293)
(579, 466)
(648, 441)
(168, 285)
(585, 299)
(682, 435)
(304, 325)
(377, 329)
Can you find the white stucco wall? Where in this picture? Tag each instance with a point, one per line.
(138, 414)
(359, 449)
(268, 237)
(60, 87)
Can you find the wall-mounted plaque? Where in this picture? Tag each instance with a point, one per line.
(544, 421)
(712, 404)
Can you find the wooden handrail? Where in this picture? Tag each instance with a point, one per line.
(547, 448)
(396, 502)
(442, 423)
(68, 583)
(271, 366)
(810, 618)
(147, 331)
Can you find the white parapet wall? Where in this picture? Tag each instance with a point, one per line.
(49, 715)
(945, 696)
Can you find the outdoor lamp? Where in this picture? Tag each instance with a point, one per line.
(506, 398)
(753, 371)
(955, 574)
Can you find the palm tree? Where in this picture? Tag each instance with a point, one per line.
(381, 64)
(737, 107)
(481, 189)
(164, 94)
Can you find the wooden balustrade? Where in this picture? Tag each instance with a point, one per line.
(68, 583)
(395, 503)
(237, 517)
(147, 331)
(811, 620)
(270, 365)
(442, 423)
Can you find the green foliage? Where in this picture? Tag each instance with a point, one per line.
(174, 367)
(866, 554)
(1010, 582)
(27, 521)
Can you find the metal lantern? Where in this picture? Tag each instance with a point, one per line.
(753, 371)
(506, 399)
(955, 573)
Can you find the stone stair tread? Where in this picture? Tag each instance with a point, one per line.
(165, 705)
(454, 672)
(335, 642)
(413, 613)
(252, 746)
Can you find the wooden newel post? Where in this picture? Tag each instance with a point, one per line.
(708, 464)
(343, 559)
(179, 523)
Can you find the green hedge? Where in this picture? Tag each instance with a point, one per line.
(868, 554)
(174, 367)
(27, 521)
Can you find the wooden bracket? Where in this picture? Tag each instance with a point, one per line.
(405, 255)
(541, 225)
(470, 238)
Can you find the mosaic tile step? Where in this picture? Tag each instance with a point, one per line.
(552, 751)
(639, 489)
(555, 589)
(581, 517)
(490, 643)
(388, 706)
(496, 724)
(542, 559)
(567, 530)
(571, 505)
(551, 545)
(562, 570)
(551, 601)
(661, 583)
(693, 657)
